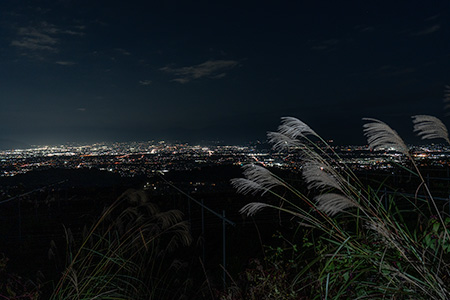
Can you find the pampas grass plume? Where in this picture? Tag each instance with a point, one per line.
(333, 203)
(253, 208)
(380, 135)
(319, 175)
(294, 128)
(429, 127)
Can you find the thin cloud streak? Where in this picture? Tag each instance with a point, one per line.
(428, 30)
(65, 63)
(35, 39)
(329, 44)
(44, 37)
(388, 70)
(210, 69)
(122, 51)
(145, 82)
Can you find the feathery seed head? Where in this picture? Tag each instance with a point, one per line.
(385, 235)
(380, 135)
(261, 175)
(246, 186)
(294, 128)
(320, 175)
(257, 179)
(168, 218)
(332, 203)
(429, 127)
(282, 141)
(253, 208)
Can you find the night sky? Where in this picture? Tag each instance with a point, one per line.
(91, 71)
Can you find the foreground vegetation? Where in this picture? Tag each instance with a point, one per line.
(125, 254)
(349, 242)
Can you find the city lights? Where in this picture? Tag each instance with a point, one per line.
(145, 158)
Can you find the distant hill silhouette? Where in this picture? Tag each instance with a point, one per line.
(7, 144)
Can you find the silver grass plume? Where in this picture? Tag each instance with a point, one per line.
(261, 176)
(246, 186)
(429, 127)
(385, 235)
(253, 208)
(257, 179)
(380, 135)
(320, 175)
(281, 142)
(294, 128)
(332, 203)
(168, 218)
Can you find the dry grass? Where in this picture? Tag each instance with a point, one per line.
(127, 254)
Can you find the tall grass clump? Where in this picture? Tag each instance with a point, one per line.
(354, 240)
(127, 254)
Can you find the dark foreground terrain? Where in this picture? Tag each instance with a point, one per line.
(41, 206)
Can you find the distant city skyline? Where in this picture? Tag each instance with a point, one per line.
(150, 158)
(86, 71)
